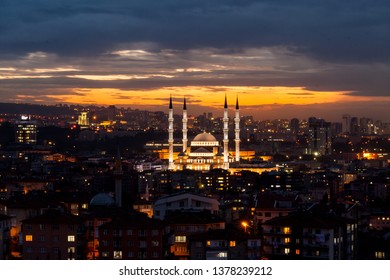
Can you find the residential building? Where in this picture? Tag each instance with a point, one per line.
(303, 235)
(184, 201)
(53, 235)
(134, 237)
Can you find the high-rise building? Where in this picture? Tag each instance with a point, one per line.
(83, 120)
(346, 123)
(26, 131)
(294, 124)
(355, 128)
(319, 137)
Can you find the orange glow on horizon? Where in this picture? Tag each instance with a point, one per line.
(204, 96)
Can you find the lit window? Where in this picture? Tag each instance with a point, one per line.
(222, 255)
(297, 252)
(287, 251)
(287, 240)
(380, 255)
(71, 238)
(232, 243)
(287, 230)
(180, 238)
(117, 255)
(29, 238)
(71, 250)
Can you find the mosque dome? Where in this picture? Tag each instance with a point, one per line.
(102, 199)
(204, 137)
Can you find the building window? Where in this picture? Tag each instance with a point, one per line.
(142, 232)
(27, 227)
(42, 250)
(42, 226)
(130, 255)
(28, 249)
(55, 226)
(29, 238)
(180, 238)
(117, 244)
(129, 232)
(71, 238)
(142, 244)
(117, 255)
(286, 230)
(297, 252)
(71, 250)
(287, 240)
(154, 232)
(287, 251)
(155, 243)
(42, 238)
(380, 255)
(232, 244)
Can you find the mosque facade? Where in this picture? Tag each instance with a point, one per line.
(204, 151)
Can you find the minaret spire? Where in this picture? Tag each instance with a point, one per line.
(185, 120)
(170, 134)
(225, 136)
(237, 130)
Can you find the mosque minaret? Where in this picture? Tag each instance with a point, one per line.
(170, 131)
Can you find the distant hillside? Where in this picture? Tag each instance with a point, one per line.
(32, 109)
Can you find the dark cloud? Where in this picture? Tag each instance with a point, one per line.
(349, 30)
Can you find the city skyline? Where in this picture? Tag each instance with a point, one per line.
(282, 59)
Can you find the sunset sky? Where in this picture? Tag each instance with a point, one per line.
(283, 58)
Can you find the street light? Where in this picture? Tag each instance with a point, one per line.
(245, 225)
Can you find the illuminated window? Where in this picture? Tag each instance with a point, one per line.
(179, 238)
(287, 240)
(232, 244)
(287, 230)
(71, 250)
(297, 252)
(287, 251)
(208, 243)
(222, 255)
(29, 238)
(71, 238)
(117, 255)
(380, 255)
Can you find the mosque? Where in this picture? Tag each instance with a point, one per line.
(204, 152)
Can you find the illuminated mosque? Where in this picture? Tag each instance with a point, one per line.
(204, 152)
